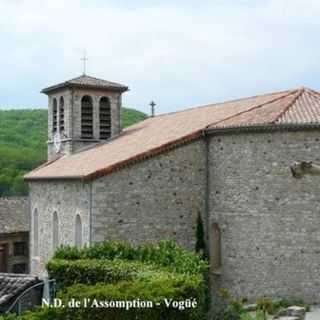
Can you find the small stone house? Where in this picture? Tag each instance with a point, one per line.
(228, 163)
(14, 235)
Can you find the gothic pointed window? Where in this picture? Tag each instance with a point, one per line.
(86, 118)
(54, 115)
(215, 247)
(105, 118)
(35, 233)
(55, 231)
(78, 232)
(61, 111)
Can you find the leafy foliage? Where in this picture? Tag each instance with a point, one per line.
(117, 271)
(69, 272)
(154, 289)
(22, 147)
(164, 254)
(23, 136)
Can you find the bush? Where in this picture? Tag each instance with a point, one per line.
(165, 254)
(154, 290)
(220, 310)
(153, 287)
(287, 302)
(116, 271)
(69, 272)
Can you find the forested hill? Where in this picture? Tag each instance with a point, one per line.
(23, 136)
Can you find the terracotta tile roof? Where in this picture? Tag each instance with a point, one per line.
(299, 106)
(87, 81)
(161, 133)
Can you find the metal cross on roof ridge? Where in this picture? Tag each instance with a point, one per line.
(84, 59)
(152, 104)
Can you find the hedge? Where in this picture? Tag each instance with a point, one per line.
(116, 271)
(154, 289)
(69, 272)
(165, 254)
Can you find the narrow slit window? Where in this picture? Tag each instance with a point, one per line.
(61, 110)
(105, 118)
(215, 247)
(86, 118)
(78, 233)
(35, 233)
(54, 115)
(55, 231)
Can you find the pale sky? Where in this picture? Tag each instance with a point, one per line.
(177, 53)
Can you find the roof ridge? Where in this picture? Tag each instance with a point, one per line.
(94, 78)
(85, 75)
(224, 102)
(290, 104)
(312, 92)
(253, 108)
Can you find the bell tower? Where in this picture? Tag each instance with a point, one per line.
(82, 112)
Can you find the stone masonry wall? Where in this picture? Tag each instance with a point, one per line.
(269, 221)
(14, 214)
(157, 199)
(67, 199)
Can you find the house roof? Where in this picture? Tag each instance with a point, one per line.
(14, 215)
(85, 81)
(11, 285)
(159, 134)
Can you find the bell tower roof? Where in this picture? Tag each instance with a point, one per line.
(87, 82)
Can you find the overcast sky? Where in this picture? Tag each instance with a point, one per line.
(178, 53)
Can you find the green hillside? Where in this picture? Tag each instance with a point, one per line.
(23, 136)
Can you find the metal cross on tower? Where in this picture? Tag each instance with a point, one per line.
(152, 104)
(84, 59)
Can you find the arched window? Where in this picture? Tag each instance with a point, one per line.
(105, 118)
(35, 233)
(78, 232)
(86, 118)
(55, 231)
(54, 115)
(61, 111)
(215, 247)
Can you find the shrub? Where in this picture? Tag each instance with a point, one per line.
(69, 272)
(287, 302)
(221, 310)
(165, 254)
(116, 271)
(154, 289)
(265, 304)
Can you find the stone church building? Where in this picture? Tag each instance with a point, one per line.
(230, 163)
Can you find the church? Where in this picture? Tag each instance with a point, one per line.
(245, 167)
